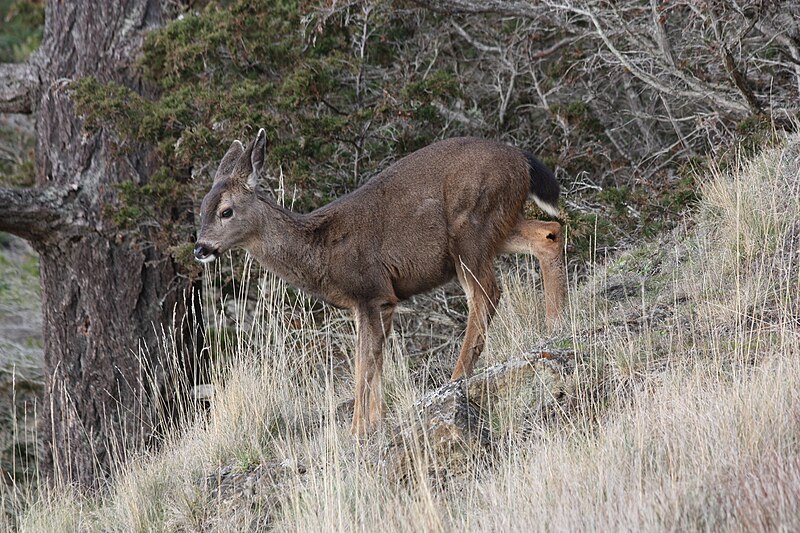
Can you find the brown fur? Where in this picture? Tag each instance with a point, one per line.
(446, 210)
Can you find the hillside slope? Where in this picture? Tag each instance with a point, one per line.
(683, 411)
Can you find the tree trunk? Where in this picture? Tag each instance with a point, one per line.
(106, 296)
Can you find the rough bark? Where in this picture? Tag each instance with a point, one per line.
(37, 215)
(20, 81)
(102, 303)
(105, 295)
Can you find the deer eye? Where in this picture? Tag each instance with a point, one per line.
(228, 213)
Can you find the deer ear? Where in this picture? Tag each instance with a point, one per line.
(228, 162)
(257, 157)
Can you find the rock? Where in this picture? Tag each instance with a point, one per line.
(621, 290)
(541, 372)
(444, 424)
(204, 392)
(455, 424)
(248, 496)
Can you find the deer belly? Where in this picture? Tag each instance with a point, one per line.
(415, 277)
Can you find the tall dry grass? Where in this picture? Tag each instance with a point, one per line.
(684, 415)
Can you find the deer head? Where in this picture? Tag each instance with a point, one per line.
(229, 212)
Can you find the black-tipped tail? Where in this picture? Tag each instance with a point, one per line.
(544, 187)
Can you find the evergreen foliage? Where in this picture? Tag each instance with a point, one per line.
(333, 118)
(21, 22)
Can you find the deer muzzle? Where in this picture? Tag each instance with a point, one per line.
(204, 254)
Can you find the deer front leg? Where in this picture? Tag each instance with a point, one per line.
(546, 242)
(373, 325)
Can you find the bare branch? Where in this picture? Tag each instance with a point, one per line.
(18, 81)
(661, 35)
(740, 81)
(736, 76)
(698, 90)
(458, 116)
(541, 54)
(635, 103)
(500, 7)
(779, 35)
(474, 42)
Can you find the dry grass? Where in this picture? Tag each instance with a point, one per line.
(685, 413)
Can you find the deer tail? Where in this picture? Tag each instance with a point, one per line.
(544, 187)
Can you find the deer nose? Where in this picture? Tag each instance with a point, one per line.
(201, 253)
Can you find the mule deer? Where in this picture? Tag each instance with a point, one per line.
(446, 210)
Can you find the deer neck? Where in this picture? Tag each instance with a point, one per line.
(284, 245)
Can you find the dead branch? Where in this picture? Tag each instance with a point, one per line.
(38, 215)
(697, 90)
(500, 7)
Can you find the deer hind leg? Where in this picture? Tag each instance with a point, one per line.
(545, 241)
(373, 325)
(483, 294)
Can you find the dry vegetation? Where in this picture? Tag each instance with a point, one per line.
(681, 413)
(684, 412)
